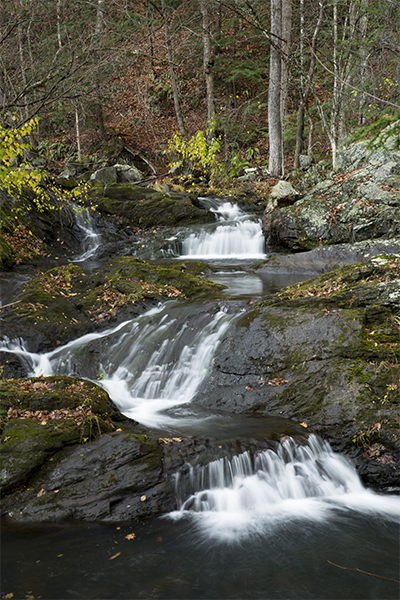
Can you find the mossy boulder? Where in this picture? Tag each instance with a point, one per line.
(69, 301)
(360, 201)
(325, 352)
(145, 207)
(38, 417)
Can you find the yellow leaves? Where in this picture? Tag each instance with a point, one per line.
(41, 493)
(143, 498)
(115, 556)
(170, 440)
(130, 536)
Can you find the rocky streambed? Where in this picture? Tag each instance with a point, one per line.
(321, 356)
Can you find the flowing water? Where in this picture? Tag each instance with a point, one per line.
(293, 522)
(90, 238)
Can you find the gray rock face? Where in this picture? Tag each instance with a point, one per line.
(322, 352)
(326, 258)
(360, 201)
(282, 194)
(118, 173)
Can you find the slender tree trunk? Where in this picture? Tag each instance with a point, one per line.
(363, 27)
(208, 65)
(306, 84)
(23, 67)
(274, 93)
(78, 137)
(286, 42)
(174, 84)
(99, 29)
(59, 23)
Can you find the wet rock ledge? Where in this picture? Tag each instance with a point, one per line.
(325, 352)
(67, 453)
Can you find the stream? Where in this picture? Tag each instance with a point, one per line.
(291, 523)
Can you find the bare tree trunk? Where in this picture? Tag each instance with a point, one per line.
(78, 137)
(99, 33)
(363, 27)
(207, 65)
(59, 23)
(286, 42)
(23, 67)
(174, 84)
(306, 85)
(274, 93)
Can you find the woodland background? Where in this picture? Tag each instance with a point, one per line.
(273, 80)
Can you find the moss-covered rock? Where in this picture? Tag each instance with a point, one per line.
(38, 417)
(68, 301)
(360, 201)
(146, 207)
(325, 352)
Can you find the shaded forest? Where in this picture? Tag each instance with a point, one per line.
(269, 81)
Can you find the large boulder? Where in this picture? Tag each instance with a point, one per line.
(282, 194)
(145, 207)
(360, 201)
(325, 352)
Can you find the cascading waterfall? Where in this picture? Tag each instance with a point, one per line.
(229, 499)
(237, 236)
(91, 239)
(147, 365)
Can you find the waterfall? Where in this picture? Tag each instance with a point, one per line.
(91, 239)
(147, 365)
(249, 494)
(238, 236)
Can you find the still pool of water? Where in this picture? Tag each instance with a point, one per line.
(172, 560)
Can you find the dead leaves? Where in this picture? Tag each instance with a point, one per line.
(170, 440)
(379, 452)
(273, 382)
(78, 415)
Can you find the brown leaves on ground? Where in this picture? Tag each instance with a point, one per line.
(24, 243)
(380, 453)
(60, 281)
(274, 382)
(78, 415)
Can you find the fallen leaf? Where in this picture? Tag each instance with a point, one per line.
(142, 498)
(130, 536)
(41, 493)
(10, 595)
(115, 556)
(304, 424)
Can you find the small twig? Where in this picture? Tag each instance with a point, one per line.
(10, 304)
(361, 571)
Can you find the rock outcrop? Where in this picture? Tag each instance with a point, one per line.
(360, 201)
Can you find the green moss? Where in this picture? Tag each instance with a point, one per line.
(6, 254)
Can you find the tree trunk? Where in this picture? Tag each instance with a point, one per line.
(274, 93)
(306, 83)
(98, 102)
(286, 42)
(174, 84)
(207, 66)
